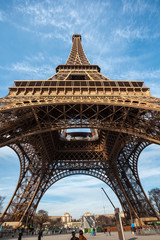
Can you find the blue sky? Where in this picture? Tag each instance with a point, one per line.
(121, 36)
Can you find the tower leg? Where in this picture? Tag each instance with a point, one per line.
(128, 175)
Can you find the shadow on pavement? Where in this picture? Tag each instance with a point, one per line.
(134, 238)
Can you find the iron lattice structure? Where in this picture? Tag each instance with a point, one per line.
(123, 117)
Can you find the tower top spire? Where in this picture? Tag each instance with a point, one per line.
(76, 36)
(77, 55)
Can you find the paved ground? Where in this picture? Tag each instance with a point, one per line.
(99, 236)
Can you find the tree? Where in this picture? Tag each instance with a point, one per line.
(1, 203)
(55, 223)
(154, 197)
(41, 217)
(104, 220)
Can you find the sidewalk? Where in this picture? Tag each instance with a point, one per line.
(99, 236)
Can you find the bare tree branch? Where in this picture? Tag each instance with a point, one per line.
(154, 197)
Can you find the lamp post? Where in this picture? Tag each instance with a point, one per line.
(118, 219)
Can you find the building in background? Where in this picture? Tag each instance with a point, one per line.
(88, 221)
(68, 222)
(66, 218)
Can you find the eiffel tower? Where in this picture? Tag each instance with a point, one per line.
(45, 123)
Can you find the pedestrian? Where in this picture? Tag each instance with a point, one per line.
(81, 237)
(109, 231)
(105, 231)
(74, 236)
(20, 234)
(133, 230)
(40, 234)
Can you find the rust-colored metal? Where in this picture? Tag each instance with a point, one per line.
(123, 117)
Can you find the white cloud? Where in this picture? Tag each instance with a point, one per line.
(8, 161)
(146, 160)
(151, 152)
(135, 32)
(141, 75)
(7, 153)
(36, 58)
(62, 18)
(33, 72)
(7, 188)
(41, 34)
(131, 33)
(42, 14)
(84, 183)
(149, 172)
(139, 7)
(2, 16)
(77, 207)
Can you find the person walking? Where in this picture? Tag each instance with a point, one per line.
(74, 236)
(105, 231)
(40, 234)
(20, 234)
(109, 231)
(81, 237)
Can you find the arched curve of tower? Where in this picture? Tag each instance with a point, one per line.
(122, 117)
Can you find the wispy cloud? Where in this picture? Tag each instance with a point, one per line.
(139, 7)
(7, 189)
(42, 34)
(36, 72)
(134, 32)
(62, 18)
(34, 66)
(148, 172)
(131, 33)
(2, 16)
(141, 75)
(7, 153)
(50, 14)
(56, 13)
(9, 179)
(146, 159)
